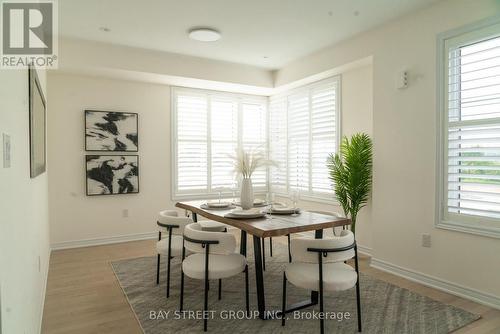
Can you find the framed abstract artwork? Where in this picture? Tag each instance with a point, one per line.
(112, 174)
(111, 131)
(37, 124)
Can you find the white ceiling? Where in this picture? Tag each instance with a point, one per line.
(281, 30)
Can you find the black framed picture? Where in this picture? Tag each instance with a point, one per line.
(112, 174)
(111, 131)
(37, 124)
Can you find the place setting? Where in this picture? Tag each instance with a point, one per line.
(219, 204)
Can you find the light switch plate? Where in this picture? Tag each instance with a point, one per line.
(6, 150)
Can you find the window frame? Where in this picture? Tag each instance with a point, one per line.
(326, 198)
(240, 99)
(469, 34)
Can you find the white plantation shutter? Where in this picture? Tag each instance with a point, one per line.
(278, 143)
(323, 134)
(224, 135)
(471, 166)
(192, 162)
(298, 141)
(303, 133)
(209, 126)
(254, 137)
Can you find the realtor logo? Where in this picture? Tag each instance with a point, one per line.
(29, 34)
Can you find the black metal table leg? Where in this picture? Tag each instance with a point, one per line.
(271, 246)
(259, 277)
(263, 254)
(243, 243)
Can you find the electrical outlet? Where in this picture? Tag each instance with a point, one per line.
(125, 213)
(402, 80)
(426, 240)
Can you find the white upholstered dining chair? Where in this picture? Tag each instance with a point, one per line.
(318, 265)
(172, 225)
(214, 257)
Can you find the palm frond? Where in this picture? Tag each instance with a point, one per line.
(351, 173)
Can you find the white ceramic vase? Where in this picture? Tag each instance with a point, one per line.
(246, 198)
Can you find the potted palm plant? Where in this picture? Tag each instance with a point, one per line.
(351, 173)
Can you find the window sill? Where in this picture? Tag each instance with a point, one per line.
(315, 199)
(194, 196)
(486, 231)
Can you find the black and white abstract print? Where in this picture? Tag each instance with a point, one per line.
(112, 174)
(111, 131)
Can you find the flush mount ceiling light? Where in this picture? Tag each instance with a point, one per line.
(204, 34)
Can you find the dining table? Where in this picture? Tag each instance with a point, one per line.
(268, 226)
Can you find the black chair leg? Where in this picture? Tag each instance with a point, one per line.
(358, 304)
(270, 246)
(158, 262)
(283, 305)
(321, 305)
(358, 296)
(247, 297)
(289, 251)
(168, 273)
(263, 255)
(220, 289)
(158, 269)
(205, 305)
(182, 291)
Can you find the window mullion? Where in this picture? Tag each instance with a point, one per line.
(209, 144)
(310, 141)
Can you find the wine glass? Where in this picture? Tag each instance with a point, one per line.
(269, 203)
(234, 191)
(294, 197)
(219, 193)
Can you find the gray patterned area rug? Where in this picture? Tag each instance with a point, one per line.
(385, 308)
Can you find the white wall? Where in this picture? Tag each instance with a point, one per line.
(73, 215)
(404, 130)
(24, 225)
(357, 116)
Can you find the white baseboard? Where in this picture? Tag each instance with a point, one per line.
(365, 250)
(438, 283)
(103, 241)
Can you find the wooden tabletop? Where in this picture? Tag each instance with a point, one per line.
(278, 225)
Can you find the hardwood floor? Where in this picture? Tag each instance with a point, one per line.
(83, 296)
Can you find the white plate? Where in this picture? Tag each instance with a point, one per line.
(218, 204)
(245, 214)
(206, 207)
(257, 203)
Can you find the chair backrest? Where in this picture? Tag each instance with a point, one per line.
(170, 217)
(299, 247)
(226, 241)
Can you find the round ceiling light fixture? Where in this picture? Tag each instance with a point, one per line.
(204, 34)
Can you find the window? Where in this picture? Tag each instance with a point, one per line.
(470, 131)
(208, 126)
(303, 132)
